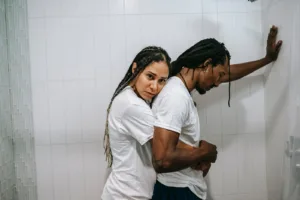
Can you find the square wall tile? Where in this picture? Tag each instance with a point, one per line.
(259, 185)
(40, 103)
(117, 48)
(210, 6)
(210, 27)
(134, 42)
(228, 114)
(37, 44)
(57, 112)
(230, 164)
(84, 7)
(76, 171)
(116, 6)
(55, 55)
(61, 179)
(213, 112)
(69, 8)
(215, 175)
(162, 7)
(231, 6)
(102, 52)
(94, 169)
(44, 172)
(245, 164)
(93, 111)
(73, 111)
(36, 8)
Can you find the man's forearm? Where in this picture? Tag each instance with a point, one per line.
(179, 159)
(238, 71)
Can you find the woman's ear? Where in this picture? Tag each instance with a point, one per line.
(134, 66)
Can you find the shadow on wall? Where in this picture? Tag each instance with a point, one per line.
(216, 101)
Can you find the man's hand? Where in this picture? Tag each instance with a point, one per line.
(203, 166)
(273, 48)
(210, 151)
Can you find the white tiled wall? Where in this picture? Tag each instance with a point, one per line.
(239, 133)
(80, 50)
(281, 93)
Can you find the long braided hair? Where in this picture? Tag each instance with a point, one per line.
(196, 55)
(144, 58)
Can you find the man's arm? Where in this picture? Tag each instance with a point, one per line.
(238, 71)
(166, 157)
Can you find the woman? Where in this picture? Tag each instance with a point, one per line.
(129, 127)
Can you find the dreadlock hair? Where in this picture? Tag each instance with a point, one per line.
(196, 55)
(144, 58)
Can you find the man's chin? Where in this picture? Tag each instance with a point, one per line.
(201, 91)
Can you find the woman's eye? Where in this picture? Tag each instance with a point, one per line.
(150, 76)
(162, 81)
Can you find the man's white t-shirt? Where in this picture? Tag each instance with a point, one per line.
(130, 129)
(174, 110)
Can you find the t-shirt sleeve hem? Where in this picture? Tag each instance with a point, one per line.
(168, 127)
(145, 140)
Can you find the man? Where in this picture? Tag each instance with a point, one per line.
(202, 67)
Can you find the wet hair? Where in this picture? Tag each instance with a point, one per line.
(144, 58)
(196, 55)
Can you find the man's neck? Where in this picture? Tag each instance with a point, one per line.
(187, 81)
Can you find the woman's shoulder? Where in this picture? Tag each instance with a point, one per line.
(128, 99)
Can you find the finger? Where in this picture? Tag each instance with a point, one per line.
(206, 171)
(273, 30)
(277, 50)
(272, 35)
(201, 141)
(278, 45)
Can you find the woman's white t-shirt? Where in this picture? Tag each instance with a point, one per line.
(130, 129)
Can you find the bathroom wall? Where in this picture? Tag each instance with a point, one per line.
(239, 132)
(80, 50)
(7, 174)
(282, 98)
(20, 99)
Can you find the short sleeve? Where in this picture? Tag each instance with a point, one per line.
(138, 122)
(170, 112)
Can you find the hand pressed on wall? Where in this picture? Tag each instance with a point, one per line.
(273, 47)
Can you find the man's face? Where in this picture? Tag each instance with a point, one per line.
(212, 77)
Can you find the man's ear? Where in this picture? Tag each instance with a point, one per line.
(207, 62)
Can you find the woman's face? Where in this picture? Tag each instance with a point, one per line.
(150, 81)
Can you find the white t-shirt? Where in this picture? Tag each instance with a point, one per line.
(174, 110)
(130, 129)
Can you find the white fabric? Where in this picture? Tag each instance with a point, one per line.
(130, 129)
(174, 110)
